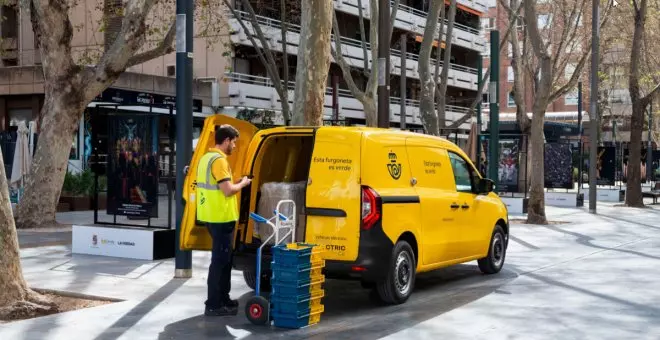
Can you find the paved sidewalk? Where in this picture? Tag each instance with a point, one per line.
(593, 278)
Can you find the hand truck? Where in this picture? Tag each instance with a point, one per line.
(257, 308)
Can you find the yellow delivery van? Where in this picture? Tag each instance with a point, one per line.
(385, 204)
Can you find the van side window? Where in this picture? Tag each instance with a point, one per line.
(462, 173)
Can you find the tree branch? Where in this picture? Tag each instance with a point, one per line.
(363, 39)
(484, 81)
(373, 40)
(283, 93)
(163, 48)
(343, 65)
(128, 41)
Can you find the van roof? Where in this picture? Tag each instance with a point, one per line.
(369, 132)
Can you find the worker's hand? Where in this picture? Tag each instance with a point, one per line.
(245, 181)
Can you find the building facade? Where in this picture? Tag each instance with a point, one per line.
(235, 82)
(565, 108)
(249, 85)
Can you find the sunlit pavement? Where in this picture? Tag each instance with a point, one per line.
(594, 278)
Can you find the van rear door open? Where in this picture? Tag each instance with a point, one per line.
(194, 236)
(333, 194)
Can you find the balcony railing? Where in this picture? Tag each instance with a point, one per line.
(265, 21)
(417, 23)
(265, 81)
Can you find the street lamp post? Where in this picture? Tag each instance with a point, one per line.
(184, 49)
(384, 36)
(593, 107)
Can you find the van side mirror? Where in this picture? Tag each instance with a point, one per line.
(485, 186)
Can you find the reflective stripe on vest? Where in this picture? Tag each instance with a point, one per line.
(212, 204)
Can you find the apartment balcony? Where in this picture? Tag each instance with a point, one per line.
(414, 20)
(459, 76)
(258, 92)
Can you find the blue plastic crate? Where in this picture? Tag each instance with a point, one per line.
(294, 289)
(298, 320)
(301, 304)
(291, 257)
(290, 273)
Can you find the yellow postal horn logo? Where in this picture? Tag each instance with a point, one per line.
(393, 167)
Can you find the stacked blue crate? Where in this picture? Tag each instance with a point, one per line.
(297, 285)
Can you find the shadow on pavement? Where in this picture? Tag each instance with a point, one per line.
(131, 318)
(352, 312)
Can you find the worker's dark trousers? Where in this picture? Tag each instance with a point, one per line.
(219, 281)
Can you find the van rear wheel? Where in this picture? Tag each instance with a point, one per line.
(251, 280)
(494, 261)
(400, 281)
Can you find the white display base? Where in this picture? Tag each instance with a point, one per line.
(515, 205)
(125, 242)
(564, 199)
(607, 195)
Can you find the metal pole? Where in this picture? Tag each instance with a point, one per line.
(404, 80)
(649, 152)
(384, 63)
(480, 78)
(580, 137)
(184, 49)
(335, 99)
(593, 107)
(494, 88)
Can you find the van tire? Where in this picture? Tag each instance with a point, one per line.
(402, 263)
(250, 278)
(494, 261)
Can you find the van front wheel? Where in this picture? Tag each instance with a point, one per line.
(493, 262)
(400, 280)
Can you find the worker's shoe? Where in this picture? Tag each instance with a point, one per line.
(231, 303)
(221, 311)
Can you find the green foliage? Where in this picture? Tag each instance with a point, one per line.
(82, 184)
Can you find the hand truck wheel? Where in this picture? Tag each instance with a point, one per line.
(257, 310)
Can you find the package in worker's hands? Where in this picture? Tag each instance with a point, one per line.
(271, 194)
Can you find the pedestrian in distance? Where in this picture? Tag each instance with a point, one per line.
(217, 207)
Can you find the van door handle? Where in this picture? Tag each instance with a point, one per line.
(465, 206)
(454, 206)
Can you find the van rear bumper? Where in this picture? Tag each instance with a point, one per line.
(373, 261)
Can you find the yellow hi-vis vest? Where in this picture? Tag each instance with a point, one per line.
(212, 204)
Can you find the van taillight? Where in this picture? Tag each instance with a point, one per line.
(370, 208)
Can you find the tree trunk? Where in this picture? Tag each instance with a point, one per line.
(370, 110)
(314, 59)
(444, 77)
(61, 112)
(427, 100)
(536, 209)
(16, 299)
(634, 179)
(634, 184)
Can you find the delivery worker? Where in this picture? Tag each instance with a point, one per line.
(217, 207)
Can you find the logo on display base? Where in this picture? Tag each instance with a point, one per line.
(95, 240)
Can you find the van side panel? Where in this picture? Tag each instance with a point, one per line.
(435, 186)
(333, 194)
(386, 169)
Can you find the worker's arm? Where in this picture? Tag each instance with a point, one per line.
(221, 172)
(230, 189)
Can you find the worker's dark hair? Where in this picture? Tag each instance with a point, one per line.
(223, 132)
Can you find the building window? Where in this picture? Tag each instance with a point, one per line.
(571, 98)
(511, 102)
(510, 74)
(113, 14)
(9, 24)
(543, 21)
(569, 70)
